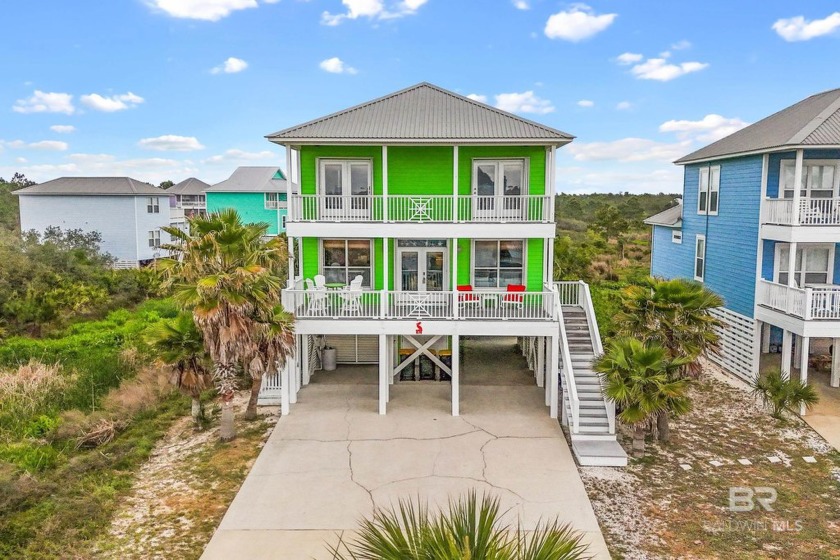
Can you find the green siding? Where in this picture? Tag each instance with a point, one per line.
(534, 264)
(251, 207)
(420, 170)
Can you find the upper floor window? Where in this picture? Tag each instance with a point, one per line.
(345, 177)
(700, 258)
(498, 263)
(676, 236)
(819, 178)
(153, 205)
(154, 239)
(272, 201)
(499, 177)
(344, 259)
(708, 194)
(812, 265)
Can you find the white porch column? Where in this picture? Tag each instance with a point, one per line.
(383, 373)
(456, 372)
(791, 264)
(454, 286)
(797, 349)
(787, 337)
(553, 382)
(289, 205)
(294, 372)
(540, 371)
(835, 362)
(285, 380)
(757, 340)
(306, 374)
(765, 338)
(803, 366)
(549, 357)
(797, 185)
(385, 214)
(455, 209)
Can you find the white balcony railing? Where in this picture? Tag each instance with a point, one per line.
(811, 212)
(419, 208)
(805, 303)
(381, 304)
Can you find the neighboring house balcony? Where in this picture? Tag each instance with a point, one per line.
(319, 309)
(805, 219)
(468, 215)
(813, 310)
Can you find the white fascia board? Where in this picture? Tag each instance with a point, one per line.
(420, 141)
(801, 234)
(485, 327)
(776, 149)
(430, 230)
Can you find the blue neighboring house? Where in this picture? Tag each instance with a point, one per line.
(759, 224)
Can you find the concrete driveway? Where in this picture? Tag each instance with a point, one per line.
(333, 459)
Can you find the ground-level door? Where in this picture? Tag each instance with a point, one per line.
(422, 265)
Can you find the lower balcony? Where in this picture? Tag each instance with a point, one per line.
(415, 305)
(814, 303)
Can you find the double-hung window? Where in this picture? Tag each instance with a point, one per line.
(812, 265)
(819, 178)
(700, 258)
(344, 259)
(153, 205)
(272, 201)
(154, 239)
(708, 193)
(498, 263)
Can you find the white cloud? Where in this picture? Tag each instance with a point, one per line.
(681, 45)
(21, 160)
(586, 103)
(112, 103)
(521, 4)
(663, 71)
(335, 65)
(43, 102)
(629, 58)
(477, 97)
(373, 9)
(623, 105)
(800, 29)
(63, 128)
(208, 10)
(708, 129)
(577, 23)
(153, 170)
(628, 150)
(49, 145)
(525, 102)
(237, 155)
(232, 65)
(171, 143)
(45, 145)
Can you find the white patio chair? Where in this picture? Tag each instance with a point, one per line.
(320, 281)
(308, 284)
(352, 297)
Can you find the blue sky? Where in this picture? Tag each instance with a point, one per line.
(166, 89)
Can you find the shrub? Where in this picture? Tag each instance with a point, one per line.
(29, 392)
(781, 393)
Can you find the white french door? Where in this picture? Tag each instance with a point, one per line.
(422, 269)
(498, 187)
(346, 188)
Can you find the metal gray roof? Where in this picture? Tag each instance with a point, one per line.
(670, 217)
(814, 121)
(189, 186)
(93, 186)
(422, 113)
(252, 179)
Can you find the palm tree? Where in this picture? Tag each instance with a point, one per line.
(227, 274)
(179, 344)
(675, 314)
(782, 393)
(471, 529)
(641, 379)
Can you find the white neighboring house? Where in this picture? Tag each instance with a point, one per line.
(128, 213)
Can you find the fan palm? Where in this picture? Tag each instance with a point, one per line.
(469, 529)
(675, 314)
(227, 274)
(178, 343)
(782, 393)
(640, 379)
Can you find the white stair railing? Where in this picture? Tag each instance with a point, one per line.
(597, 346)
(568, 373)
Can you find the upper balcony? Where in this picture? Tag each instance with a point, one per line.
(809, 311)
(806, 219)
(468, 214)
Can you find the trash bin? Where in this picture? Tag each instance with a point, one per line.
(407, 373)
(445, 357)
(328, 356)
(427, 367)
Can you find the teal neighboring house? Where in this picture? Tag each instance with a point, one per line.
(257, 193)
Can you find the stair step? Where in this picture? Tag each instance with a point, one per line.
(593, 404)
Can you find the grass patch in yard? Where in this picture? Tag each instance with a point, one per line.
(655, 509)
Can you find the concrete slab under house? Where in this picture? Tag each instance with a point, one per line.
(416, 221)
